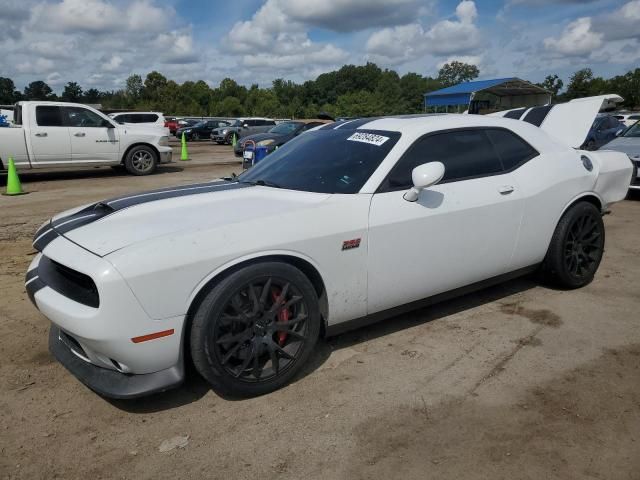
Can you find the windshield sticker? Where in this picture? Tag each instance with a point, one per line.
(370, 138)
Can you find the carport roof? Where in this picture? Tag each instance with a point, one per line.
(461, 93)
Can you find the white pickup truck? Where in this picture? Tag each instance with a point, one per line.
(60, 134)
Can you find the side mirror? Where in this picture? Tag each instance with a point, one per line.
(107, 124)
(424, 176)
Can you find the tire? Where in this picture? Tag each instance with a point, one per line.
(243, 344)
(576, 247)
(141, 160)
(229, 139)
(195, 137)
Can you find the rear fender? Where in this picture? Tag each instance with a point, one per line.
(614, 174)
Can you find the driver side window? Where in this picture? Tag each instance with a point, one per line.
(465, 154)
(81, 117)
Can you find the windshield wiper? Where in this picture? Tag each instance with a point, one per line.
(262, 183)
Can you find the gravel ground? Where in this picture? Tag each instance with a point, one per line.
(516, 381)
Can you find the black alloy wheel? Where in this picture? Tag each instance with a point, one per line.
(576, 247)
(255, 329)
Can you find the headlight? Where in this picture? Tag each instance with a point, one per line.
(264, 143)
(224, 132)
(164, 141)
(187, 131)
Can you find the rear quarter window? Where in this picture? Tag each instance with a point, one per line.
(512, 150)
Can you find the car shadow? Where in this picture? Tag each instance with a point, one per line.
(96, 172)
(633, 195)
(194, 387)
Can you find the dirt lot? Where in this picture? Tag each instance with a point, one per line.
(517, 381)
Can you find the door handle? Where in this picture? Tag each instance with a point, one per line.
(41, 134)
(79, 134)
(506, 190)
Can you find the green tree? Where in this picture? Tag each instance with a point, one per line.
(92, 96)
(230, 106)
(579, 84)
(134, 86)
(153, 85)
(72, 92)
(456, 72)
(8, 92)
(38, 90)
(552, 83)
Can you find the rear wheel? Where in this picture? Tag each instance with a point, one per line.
(141, 160)
(255, 329)
(576, 247)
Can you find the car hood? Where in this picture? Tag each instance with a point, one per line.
(628, 145)
(107, 226)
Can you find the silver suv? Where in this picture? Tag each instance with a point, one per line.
(241, 127)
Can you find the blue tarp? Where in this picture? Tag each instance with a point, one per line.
(460, 94)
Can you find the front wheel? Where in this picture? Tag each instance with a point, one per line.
(255, 329)
(141, 160)
(576, 247)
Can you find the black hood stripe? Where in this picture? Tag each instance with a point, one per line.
(60, 226)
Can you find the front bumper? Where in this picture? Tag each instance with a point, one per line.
(106, 334)
(111, 383)
(166, 154)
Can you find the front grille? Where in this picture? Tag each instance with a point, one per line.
(68, 282)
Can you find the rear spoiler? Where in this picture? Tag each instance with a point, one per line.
(568, 122)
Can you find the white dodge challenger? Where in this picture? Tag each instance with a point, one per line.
(349, 223)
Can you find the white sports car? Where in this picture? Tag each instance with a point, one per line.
(349, 223)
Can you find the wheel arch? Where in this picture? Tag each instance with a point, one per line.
(137, 144)
(303, 263)
(591, 197)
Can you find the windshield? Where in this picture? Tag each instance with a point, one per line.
(236, 123)
(324, 161)
(199, 124)
(632, 131)
(285, 128)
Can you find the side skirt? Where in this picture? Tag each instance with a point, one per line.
(342, 327)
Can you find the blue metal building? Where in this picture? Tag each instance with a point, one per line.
(485, 96)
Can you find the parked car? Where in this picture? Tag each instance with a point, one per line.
(61, 134)
(147, 119)
(350, 223)
(241, 127)
(628, 118)
(201, 130)
(629, 142)
(604, 129)
(278, 135)
(172, 124)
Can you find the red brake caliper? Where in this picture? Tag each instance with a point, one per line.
(283, 315)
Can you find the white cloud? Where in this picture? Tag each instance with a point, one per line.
(620, 24)
(54, 79)
(37, 66)
(577, 39)
(404, 43)
(112, 64)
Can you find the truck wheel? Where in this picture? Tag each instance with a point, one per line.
(255, 329)
(141, 160)
(576, 247)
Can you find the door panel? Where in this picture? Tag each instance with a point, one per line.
(90, 140)
(456, 234)
(49, 138)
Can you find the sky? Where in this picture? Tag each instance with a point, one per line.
(99, 43)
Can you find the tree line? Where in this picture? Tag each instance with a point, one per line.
(365, 90)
